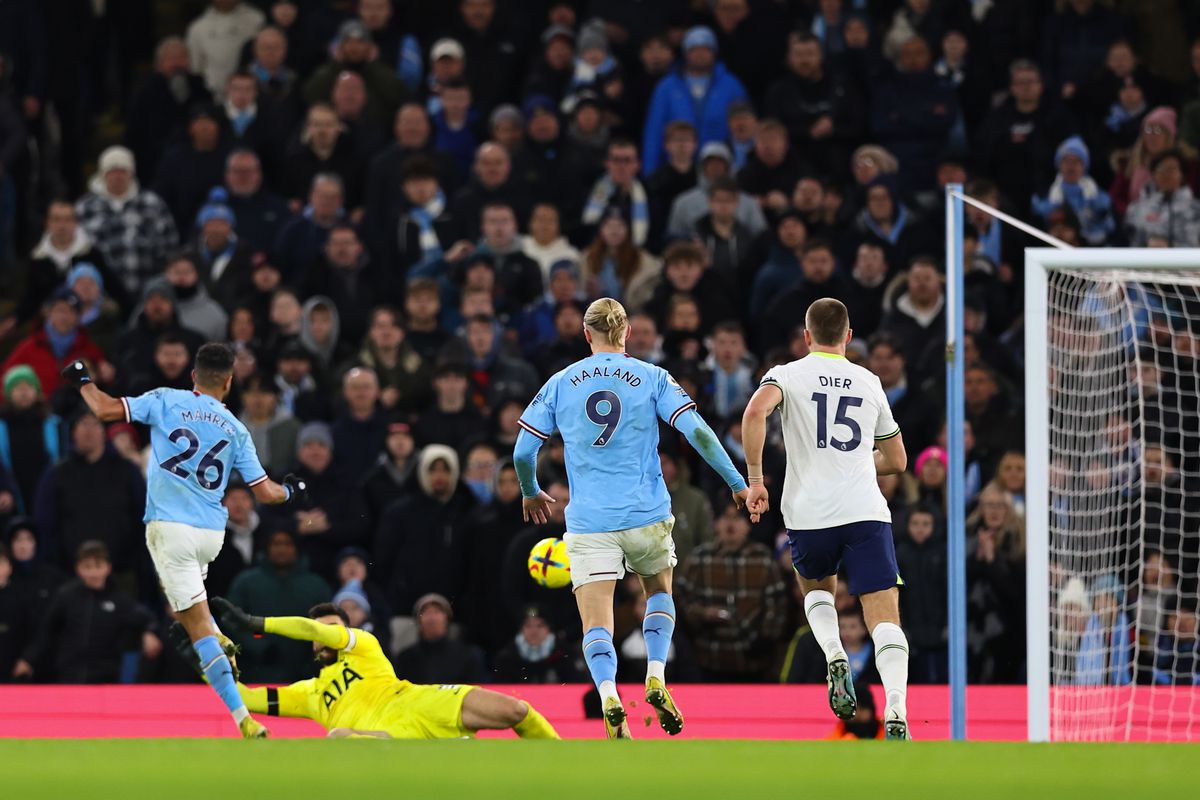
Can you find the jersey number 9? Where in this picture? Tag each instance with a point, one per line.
(207, 463)
(604, 409)
(844, 404)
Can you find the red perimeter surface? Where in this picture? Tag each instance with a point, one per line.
(712, 712)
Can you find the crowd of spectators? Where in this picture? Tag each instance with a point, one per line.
(396, 211)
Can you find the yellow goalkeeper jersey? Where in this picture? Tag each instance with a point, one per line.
(350, 693)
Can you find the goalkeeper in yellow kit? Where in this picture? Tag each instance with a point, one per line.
(357, 693)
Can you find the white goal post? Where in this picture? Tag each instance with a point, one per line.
(1110, 421)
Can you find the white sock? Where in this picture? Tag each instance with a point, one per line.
(891, 659)
(823, 619)
(656, 669)
(608, 689)
(240, 715)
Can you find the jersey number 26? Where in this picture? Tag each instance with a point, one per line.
(845, 403)
(207, 463)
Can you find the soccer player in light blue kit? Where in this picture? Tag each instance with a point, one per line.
(196, 442)
(607, 408)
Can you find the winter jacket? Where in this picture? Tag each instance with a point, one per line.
(79, 500)
(672, 100)
(267, 592)
(35, 350)
(85, 633)
(135, 232)
(48, 269)
(30, 441)
(259, 217)
(421, 543)
(1175, 218)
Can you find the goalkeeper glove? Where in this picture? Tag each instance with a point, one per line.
(297, 487)
(233, 618)
(179, 639)
(76, 373)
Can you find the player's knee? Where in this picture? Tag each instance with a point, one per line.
(514, 712)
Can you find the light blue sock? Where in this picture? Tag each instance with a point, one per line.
(220, 675)
(658, 626)
(601, 659)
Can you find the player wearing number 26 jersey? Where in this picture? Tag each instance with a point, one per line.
(196, 444)
(607, 408)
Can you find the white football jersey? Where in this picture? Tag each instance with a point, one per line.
(833, 413)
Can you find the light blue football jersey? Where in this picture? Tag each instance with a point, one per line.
(607, 408)
(195, 443)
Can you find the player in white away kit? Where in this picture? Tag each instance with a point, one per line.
(839, 435)
(196, 443)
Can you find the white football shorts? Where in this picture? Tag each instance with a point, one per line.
(181, 555)
(646, 551)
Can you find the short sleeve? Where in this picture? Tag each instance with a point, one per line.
(671, 399)
(885, 423)
(774, 377)
(246, 461)
(145, 408)
(538, 417)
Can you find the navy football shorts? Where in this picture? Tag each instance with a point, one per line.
(865, 548)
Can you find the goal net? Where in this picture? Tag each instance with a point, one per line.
(1113, 447)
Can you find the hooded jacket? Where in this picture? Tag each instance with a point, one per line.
(421, 543)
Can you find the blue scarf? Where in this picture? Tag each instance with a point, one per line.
(610, 284)
(482, 490)
(1103, 657)
(242, 121)
(531, 654)
(424, 216)
(989, 242)
(60, 343)
(639, 205)
(409, 66)
(897, 225)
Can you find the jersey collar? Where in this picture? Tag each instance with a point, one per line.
(834, 356)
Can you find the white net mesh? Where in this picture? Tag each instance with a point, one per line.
(1124, 474)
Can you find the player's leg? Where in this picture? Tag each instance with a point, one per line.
(485, 710)
(821, 613)
(658, 627)
(177, 551)
(816, 556)
(874, 576)
(595, 601)
(197, 621)
(597, 563)
(881, 611)
(650, 551)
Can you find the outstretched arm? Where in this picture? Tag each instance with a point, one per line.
(754, 436)
(302, 628)
(706, 443)
(308, 630)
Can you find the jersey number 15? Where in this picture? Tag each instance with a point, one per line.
(845, 403)
(208, 461)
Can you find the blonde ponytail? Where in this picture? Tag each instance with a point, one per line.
(606, 317)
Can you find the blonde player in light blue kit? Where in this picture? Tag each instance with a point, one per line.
(196, 442)
(607, 408)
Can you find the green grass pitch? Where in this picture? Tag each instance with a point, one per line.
(181, 769)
